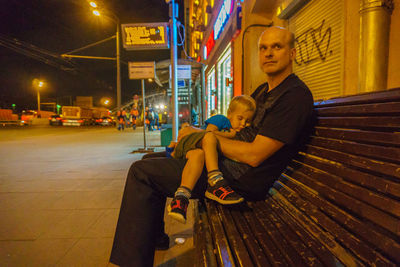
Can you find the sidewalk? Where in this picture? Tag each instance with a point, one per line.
(60, 196)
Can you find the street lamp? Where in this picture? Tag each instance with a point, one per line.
(106, 101)
(38, 85)
(116, 20)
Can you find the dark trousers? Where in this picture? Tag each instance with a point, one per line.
(150, 181)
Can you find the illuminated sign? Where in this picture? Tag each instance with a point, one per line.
(209, 46)
(222, 18)
(143, 36)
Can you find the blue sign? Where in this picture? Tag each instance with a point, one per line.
(223, 17)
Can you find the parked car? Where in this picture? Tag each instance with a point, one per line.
(105, 121)
(55, 120)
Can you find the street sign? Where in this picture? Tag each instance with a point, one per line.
(143, 36)
(184, 71)
(141, 70)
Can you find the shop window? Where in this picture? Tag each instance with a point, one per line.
(224, 91)
(211, 91)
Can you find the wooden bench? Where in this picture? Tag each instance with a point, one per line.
(336, 204)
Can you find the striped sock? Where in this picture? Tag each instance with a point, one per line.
(184, 192)
(214, 176)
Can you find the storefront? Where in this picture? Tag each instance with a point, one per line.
(217, 55)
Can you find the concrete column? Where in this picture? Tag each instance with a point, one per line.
(374, 44)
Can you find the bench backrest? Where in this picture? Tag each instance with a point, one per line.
(344, 186)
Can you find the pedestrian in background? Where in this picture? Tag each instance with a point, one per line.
(121, 119)
(134, 116)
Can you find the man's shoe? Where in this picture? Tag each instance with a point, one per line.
(222, 193)
(178, 208)
(162, 242)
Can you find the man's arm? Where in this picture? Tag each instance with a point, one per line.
(253, 153)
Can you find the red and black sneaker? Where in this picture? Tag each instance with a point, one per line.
(178, 208)
(221, 192)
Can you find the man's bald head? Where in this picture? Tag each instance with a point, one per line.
(289, 36)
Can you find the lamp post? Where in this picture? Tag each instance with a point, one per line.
(117, 41)
(38, 84)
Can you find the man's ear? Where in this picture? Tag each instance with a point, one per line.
(292, 53)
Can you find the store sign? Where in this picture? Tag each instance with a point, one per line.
(141, 70)
(223, 17)
(142, 36)
(209, 46)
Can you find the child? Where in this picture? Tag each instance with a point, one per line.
(200, 148)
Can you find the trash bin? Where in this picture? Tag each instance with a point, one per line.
(166, 136)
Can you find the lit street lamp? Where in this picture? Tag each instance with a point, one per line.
(106, 101)
(38, 85)
(116, 20)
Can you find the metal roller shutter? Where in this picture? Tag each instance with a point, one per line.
(319, 29)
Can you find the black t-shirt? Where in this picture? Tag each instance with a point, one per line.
(283, 114)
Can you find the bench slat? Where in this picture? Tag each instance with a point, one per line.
(292, 258)
(223, 251)
(390, 154)
(371, 137)
(372, 182)
(263, 236)
(363, 109)
(388, 123)
(325, 238)
(236, 244)
(249, 239)
(335, 182)
(325, 256)
(203, 240)
(352, 243)
(373, 97)
(307, 255)
(373, 166)
(349, 203)
(385, 244)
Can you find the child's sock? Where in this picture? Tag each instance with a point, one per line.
(214, 176)
(183, 191)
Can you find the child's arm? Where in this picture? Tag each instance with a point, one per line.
(214, 129)
(231, 134)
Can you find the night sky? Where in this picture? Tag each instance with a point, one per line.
(33, 33)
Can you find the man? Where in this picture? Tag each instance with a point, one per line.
(250, 164)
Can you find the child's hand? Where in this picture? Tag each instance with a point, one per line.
(172, 144)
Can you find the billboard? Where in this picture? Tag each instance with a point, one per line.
(143, 36)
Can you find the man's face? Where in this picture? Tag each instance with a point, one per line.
(275, 54)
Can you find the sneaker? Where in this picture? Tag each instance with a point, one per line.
(162, 242)
(223, 193)
(178, 208)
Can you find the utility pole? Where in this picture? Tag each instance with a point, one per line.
(173, 13)
(118, 68)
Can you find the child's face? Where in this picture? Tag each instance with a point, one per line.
(240, 117)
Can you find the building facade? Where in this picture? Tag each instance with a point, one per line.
(343, 47)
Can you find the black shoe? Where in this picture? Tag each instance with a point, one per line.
(178, 208)
(162, 242)
(222, 193)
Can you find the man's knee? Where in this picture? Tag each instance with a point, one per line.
(138, 171)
